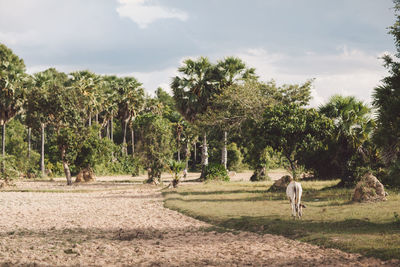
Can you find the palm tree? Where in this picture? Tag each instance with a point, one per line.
(12, 76)
(130, 102)
(353, 128)
(192, 92)
(88, 83)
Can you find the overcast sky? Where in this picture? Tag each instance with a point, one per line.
(339, 43)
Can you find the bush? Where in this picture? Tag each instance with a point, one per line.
(176, 168)
(215, 171)
(8, 168)
(122, 165)
(391, 175)
(235, 157)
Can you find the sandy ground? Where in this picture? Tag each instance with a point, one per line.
(112, 222)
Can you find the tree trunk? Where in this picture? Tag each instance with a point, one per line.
(204, 156)
(42, 153)
(187, 155)
(90, 119)
(3, 146)
(29, 142)
(3, 140)
(97, 118)
(195, 153)
(178, 148)
(124, 148)
(66, 167)
(133, 141)
(108, 130)
(111, 130)
(224, 160)
(292, 167)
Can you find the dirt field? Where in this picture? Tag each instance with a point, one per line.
(113, 222)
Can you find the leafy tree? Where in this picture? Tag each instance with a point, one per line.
(231, 71)
(287, 94)
(155, 144)
(67, 114)
(12, 76)
(386, 99)
(92, 150)
(291, 130)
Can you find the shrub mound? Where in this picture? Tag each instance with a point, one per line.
(216, 171)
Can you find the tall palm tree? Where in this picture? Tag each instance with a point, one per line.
(354, 126)
(12, 76)
(192, 91)
(130, 101)
(88, 83)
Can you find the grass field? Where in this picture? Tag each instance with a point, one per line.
(330, 219)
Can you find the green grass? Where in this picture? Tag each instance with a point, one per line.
(330, 219)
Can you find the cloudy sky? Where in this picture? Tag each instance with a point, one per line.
(339, 43)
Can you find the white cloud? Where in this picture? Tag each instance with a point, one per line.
(144, 12)
(347, 72)
(32, 69)
(153, 79)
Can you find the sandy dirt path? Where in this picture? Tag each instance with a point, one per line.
(121, 224)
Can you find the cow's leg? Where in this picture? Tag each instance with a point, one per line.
(293, 208)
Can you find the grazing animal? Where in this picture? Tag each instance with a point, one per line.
(294, 191)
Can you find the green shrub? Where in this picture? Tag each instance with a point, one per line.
(8, 168)
(235, 157)
(122, 165)
(176, 168)
(215, 171)
(391, 175)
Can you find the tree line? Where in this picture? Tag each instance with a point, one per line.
(219, 117)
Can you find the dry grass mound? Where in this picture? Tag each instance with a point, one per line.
(369, 189)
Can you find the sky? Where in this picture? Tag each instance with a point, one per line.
(339, 43)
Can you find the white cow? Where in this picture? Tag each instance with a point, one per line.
(294, 191)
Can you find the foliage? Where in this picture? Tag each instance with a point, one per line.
(194, 88)
(155, 144)
(17, 149)
(168, 102)
(176, 168)
(12, 87)
(288, 94)
(125, 164)
(10, 168)
(93, 150)
(235, 158)
(292, 130)
(236, 104)
(386, 99)
(215, 171)
(348, 149)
